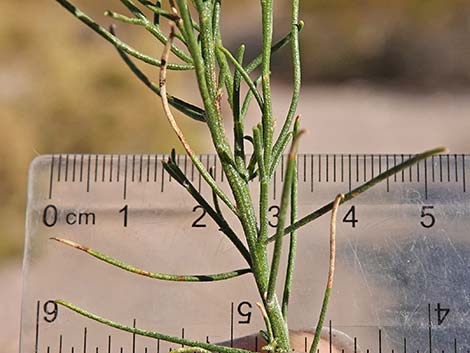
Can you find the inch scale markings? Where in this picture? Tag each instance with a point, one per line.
(255, 346)
(404, 243)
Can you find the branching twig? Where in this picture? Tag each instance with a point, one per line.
(169, 115)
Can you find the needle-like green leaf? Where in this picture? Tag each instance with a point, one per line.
(360, 189)
(184, 107)
(116, 41)
(146, 333)
(154, 275)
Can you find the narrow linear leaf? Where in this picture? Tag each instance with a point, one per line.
(293, 236)
(146, 333)
(184, 107)
(154, 275)
(364, 187)
(142, 21)
(245, 75)
(116, 41)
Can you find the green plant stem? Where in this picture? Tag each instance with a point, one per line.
(297, 77)
(245, 76)
(279, 324)
(256, 62)
(238, 121)
(117, 42)
(264, 184)
(150, 27)
(267, 118)
(155, 335)
(224, 70)
(171, 119)
(237, 184)
(154, 275)
(208, 46)
(285, 197)
(360, 189)
(248, 97)
(293, 236)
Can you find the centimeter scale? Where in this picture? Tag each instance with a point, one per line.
(402, 280)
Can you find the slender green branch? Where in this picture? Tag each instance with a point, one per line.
(273, 308)
(264, 183)
(245, 76)
(117, 42)
(154, 275)
(208, 46)
(142, 21)
(247, 100)
(277, 153)
(360, 189)
(146, 333)
(293, 235)
(286, 191)
(256, 62)
(267, 118)
(331, 272)
(238, 186)
(184, 107)
(238, 124)
(224, 70)
(297, 77)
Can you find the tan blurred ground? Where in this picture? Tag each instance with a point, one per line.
(62, 89)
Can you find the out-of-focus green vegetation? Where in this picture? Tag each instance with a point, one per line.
(63, 89)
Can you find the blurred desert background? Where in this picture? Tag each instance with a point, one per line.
(378, 76)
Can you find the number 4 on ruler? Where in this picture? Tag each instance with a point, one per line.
(441, 313)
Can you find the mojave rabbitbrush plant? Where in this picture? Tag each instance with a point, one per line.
(197, 43)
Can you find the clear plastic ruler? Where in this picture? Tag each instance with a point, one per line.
(402, 280)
